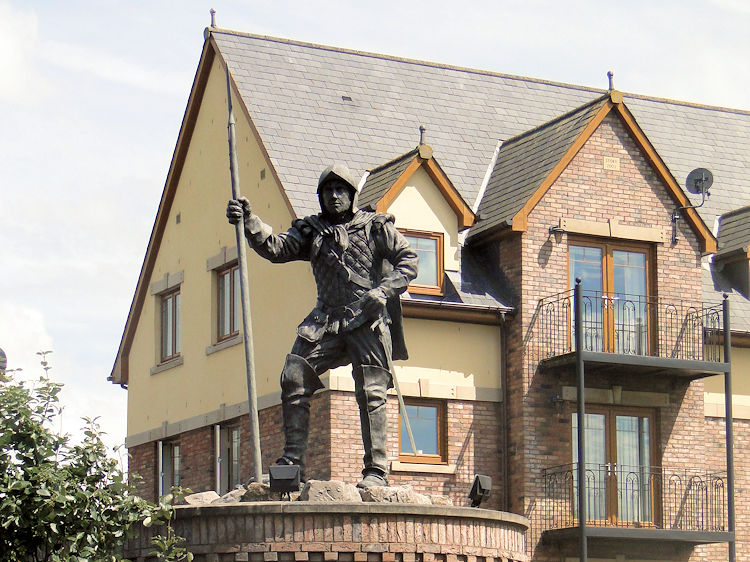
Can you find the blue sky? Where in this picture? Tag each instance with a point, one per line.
(92, 94)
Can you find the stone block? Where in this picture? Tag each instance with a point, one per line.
(441, 500)
(257, 492)
(320, 491)
(202, 498)
(393, 494)
(233, 496)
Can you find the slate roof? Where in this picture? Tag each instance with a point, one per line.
(734, 231)
(473, 284)
(314, 104)
(294, 93)
(383, 177)
(524, 162)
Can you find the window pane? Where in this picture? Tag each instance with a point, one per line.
(237, 308)
(224, 304)
(176, 464)
(426, 249)
(166, 327)
(423, 421)
(176, 299)
(586, 263)
(596, 467)
(236, 480)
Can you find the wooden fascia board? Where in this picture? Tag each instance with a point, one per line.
(390, 195)
(452, 312)
(452, 196)
(120, 370)
(707, 239)
(463, 212)
(519, 220)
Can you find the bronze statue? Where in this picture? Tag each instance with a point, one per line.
(361, 265)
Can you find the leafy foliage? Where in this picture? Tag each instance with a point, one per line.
(63, 502)
(169, 547)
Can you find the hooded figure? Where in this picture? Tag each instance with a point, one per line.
(361, 265)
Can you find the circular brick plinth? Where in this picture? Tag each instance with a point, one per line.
(351, 532)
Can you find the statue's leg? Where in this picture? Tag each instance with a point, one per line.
(299, 381)
(370, 384)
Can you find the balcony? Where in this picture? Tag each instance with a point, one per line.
(647, 334)
(638, 502)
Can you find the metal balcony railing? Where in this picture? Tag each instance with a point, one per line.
(627, 324)
(635, 496)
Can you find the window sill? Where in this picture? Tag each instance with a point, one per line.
(176, 362)
(398, 466)
(224, 344)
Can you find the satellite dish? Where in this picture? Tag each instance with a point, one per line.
(699, 180)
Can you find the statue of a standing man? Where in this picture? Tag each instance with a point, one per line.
(361, 265)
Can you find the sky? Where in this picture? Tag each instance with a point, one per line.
(92, 95)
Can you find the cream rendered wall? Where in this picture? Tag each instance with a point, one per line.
(204, 382)
(446, 359)
(421, 206)
(714, 387)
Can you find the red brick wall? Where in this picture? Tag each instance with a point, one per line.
(715, 451)
(635, 197)
(142, 469)
(373, 532)
(335, 448)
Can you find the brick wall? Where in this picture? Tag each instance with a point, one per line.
(634, 196)
(294, 532)
(715, 452)
(335, 448)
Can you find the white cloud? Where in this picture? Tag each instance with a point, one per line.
(117, 69)
(23, 332)
(21, 81)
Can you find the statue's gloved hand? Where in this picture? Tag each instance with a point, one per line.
(238, 209)
(373, 302)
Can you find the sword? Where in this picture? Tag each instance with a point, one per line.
(379, 328)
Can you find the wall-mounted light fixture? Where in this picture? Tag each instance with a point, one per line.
(557, 231)
(480, 489)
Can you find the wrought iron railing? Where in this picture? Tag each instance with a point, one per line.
(634, 496)
(626, 324)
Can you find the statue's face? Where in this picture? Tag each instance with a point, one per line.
(336, 197)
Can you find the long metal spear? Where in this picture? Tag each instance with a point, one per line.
(247, 326)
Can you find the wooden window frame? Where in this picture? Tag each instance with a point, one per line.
(174, 476)
(227, 465)
(439, 289)
(234, 317)
(608, 246)
(610, 413)
(176, 336)
(442, 434)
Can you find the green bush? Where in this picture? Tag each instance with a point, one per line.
(64, 502)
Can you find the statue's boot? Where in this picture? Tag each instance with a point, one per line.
(370, 384)
(298, 383)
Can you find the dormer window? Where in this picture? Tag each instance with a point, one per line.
(429, 248)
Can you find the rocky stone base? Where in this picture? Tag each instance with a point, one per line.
(320, 491)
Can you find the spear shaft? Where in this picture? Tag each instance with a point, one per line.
(247, 326)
